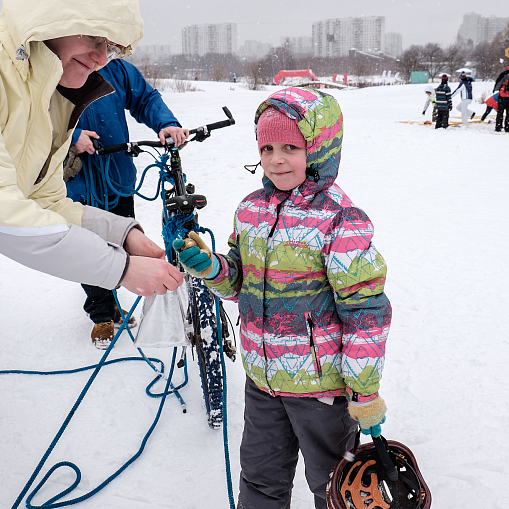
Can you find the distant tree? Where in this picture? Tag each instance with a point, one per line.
(254, 75)
(219, 74)
(410, 60)
(278, 59)
(433, 58)
(485, 59)
(454, 58)
(153, 73)
(498, 46)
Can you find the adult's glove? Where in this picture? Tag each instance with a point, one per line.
(450, 107)
(196, 256)
(369, 414)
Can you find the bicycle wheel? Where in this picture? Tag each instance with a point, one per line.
(205, 340)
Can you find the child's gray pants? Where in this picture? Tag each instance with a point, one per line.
(275, 428)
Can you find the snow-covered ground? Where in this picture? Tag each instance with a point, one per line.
(438, 200)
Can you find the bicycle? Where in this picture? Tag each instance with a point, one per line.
(179, 217)
(204, 329)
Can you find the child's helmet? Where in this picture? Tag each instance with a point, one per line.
(381, 475)
(445, 77)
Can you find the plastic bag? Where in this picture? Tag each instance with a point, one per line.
(163, 320)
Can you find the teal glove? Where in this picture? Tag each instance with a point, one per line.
(196, 257)
(370, 415)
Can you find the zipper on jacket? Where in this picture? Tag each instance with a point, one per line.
(271, 392)
(316, 362)
(273, 229)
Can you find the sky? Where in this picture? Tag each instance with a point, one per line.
(267, 21)
(419, 21)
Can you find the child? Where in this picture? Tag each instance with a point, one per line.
(430, 92)
(465, 91)
(443, 103)
(309, 285)
(491, 104)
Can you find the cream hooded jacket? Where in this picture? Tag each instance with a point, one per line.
(39, 226)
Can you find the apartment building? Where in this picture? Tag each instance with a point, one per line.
(254, 50)
(209, 38)
(336, 37)
(479, 29)
(298, 46)
(393, 44)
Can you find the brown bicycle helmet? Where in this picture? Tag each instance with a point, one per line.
(379, 475)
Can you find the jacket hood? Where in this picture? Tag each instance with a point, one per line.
(320, 121)
(39, 20)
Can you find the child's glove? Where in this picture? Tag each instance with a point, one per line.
(370, 415)
(196, 257)
(424, 113)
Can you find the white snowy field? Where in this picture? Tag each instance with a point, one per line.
(438, 200)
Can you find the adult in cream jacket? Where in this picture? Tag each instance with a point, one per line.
(49, 52)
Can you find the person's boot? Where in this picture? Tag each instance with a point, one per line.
(102, 334)
(118, 319)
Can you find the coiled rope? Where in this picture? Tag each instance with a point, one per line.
(99, 182)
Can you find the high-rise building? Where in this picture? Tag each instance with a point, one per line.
(393, 44)
(209, 38)
(480, 29)
(254, 50)
(298, 46)
(336, 37)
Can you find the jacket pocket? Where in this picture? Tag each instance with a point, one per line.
(312, 347)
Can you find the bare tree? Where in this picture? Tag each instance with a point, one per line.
(433, 57)
(454, 58)
(486, 60)
(254, 75)
(153, 73)
(219, 74)
(410, 60)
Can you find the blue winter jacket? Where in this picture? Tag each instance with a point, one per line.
(464, 89)
(106, 117)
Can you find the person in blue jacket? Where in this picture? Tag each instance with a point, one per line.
(465, 91)
(105, 121)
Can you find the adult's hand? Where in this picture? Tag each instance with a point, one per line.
(146, 276)
(178, 134)
(138, 244)
(84, 143)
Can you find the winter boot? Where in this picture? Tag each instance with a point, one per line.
(102, 334)
(118, 319)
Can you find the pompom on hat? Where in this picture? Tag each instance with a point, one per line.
(276, 127)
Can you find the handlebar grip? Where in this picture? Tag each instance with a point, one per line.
(221, 124)
(112, 148)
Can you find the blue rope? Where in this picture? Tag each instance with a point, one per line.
(169, 389)
(226, 448)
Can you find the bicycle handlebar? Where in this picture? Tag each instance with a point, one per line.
(200, 133)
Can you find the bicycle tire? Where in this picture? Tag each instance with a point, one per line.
(203, 316)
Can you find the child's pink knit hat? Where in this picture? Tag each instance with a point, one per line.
(276, 127)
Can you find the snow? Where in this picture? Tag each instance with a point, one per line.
(438, 200)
